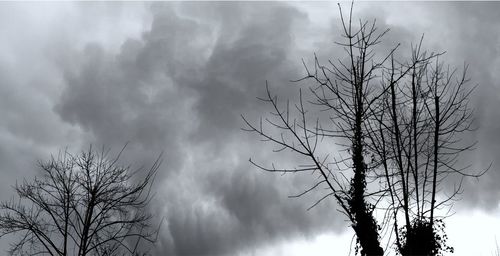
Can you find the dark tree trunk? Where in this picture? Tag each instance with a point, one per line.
(364, 224)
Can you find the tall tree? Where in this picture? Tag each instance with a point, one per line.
(399, 121)
(418, 141)
(344, 90)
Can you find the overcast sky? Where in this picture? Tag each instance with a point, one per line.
(175, 78)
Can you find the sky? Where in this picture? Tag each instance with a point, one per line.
(176, 77)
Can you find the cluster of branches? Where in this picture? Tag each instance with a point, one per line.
(401, 122)
(83, 204)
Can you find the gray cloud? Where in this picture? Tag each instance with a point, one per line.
(175, 78)
(468, 32)
(181, 87)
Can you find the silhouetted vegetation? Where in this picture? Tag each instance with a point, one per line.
(399, 123)
(82, 204)
(423, 239)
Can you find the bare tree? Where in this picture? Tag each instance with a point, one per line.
(418, 139)
(344, 90)
(400, 123)
(83, 204)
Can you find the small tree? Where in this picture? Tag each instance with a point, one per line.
(82, 204)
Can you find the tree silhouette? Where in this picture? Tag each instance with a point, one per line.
(417, 139)
(82, 204)
(398, 122)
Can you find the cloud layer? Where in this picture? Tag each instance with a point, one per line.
(175, 77)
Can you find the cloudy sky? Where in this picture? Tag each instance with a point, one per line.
(175, 78)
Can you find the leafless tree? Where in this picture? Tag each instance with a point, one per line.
(343, 90)
(398, 123)
(417, 141)
(85, 204)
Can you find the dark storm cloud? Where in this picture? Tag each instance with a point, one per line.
(243, 58)
(180, 84)
(469, 33)
(181, 87)
(473, 36)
